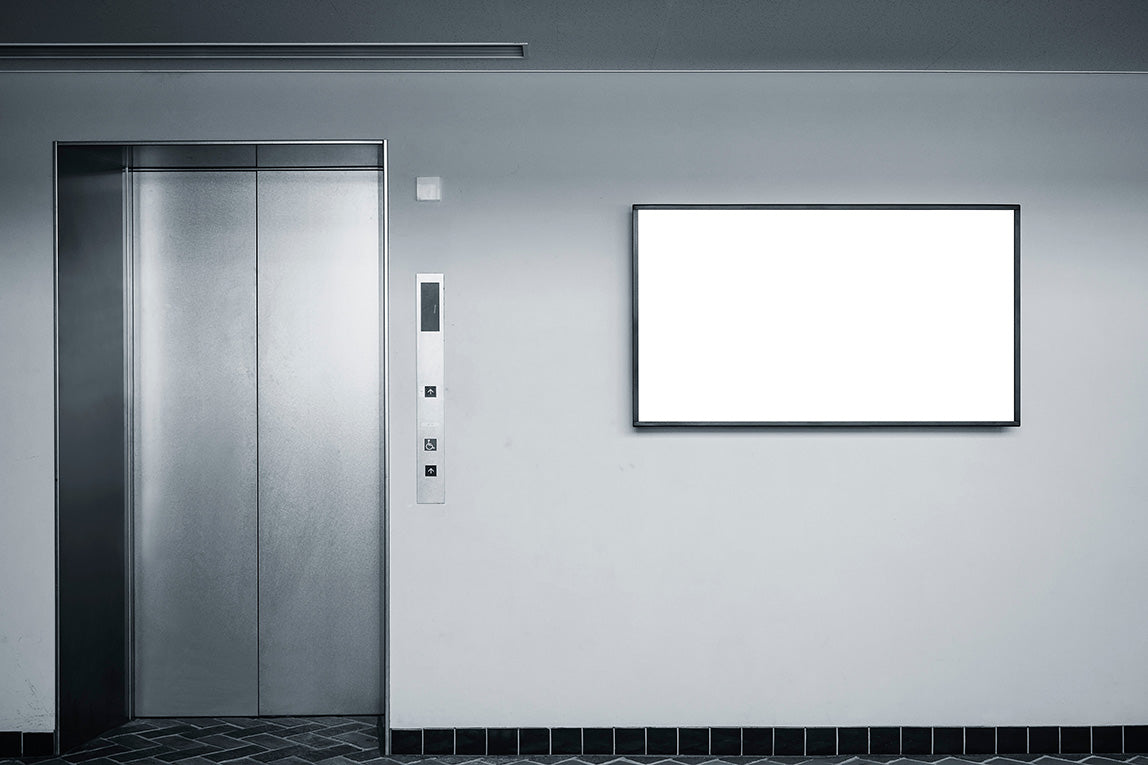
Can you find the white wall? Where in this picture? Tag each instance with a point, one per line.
(586, 574)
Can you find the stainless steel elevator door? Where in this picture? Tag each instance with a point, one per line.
(319, 447)
(258, 443)
(195, 444)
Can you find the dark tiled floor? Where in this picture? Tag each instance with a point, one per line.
(231, 740)
(352, 741)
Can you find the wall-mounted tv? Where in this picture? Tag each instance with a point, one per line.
(826, 315)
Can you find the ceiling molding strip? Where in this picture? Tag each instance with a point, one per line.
(206, 55)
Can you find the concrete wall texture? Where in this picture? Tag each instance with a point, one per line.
(583, 573)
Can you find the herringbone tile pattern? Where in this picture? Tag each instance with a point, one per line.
(231, 741)
(353, 741)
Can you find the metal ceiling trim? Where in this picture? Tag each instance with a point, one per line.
(256, 52)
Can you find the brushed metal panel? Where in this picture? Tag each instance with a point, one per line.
(92, 574)
(319, 476)
(196, 490)
(181, 156)
(430, 391)
(318, 155)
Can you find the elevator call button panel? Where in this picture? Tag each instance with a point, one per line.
(430, 475)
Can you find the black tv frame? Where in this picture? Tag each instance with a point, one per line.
(637, 423)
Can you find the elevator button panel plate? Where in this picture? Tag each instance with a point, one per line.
(430, 474)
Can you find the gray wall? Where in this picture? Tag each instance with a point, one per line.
(582, 573)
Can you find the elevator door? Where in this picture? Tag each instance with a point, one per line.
(257, 442)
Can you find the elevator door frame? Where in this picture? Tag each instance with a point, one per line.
(69, 590)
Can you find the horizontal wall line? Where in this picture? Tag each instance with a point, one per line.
(258, 51)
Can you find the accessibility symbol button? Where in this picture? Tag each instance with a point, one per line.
(430, 470)
(430, 444)
(430, 391)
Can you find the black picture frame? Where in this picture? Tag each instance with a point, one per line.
(847, 424)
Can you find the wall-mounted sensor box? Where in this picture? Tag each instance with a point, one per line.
(428, 188)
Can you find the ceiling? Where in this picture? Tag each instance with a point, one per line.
(941, 35)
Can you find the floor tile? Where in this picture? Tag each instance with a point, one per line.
(358, 738)
(354, 741)
(227, 755)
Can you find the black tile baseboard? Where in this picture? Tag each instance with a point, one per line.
(853, 741)
(748, 741)
(757, 741)
(725, 741)
(821, 742)
(693, 741)
(1044, 739)
(884, 740)
(948, 741)
(1076, 740)
(980, 740)
(407, 741)
(10, 744)
(564, 741)
(1136, 738)
(916, 740)
(15, 743)
(788, 741)
(1012, 739)
(597, 741)
(502, 741)
(629, 741)
(1107, 739)
(471, 740)
(662, 741)
(438, 741)
(537, 741)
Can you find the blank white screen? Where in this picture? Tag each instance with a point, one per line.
(825, 315)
